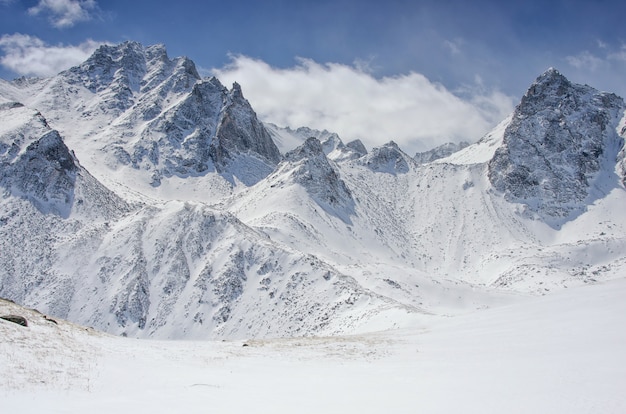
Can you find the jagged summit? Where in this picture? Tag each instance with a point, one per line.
(240, 132)
(357, 146)
(156, 116)
(311, 148)
(118, 73)
(388, 158)
(308, 166)
(551, 74)
(561, 138)
(332, 143)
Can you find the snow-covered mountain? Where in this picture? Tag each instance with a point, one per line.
(560, 149)
(75, 249)
(141, 199)
(132, 114)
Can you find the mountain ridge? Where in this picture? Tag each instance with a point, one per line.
(195, 225)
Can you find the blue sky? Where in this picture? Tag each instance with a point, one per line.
(485, 53)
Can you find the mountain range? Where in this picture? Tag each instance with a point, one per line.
(144, 200)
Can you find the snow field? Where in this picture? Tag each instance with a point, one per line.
(562, 353)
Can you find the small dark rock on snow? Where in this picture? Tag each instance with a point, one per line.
(20, 320)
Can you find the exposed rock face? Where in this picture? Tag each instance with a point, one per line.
(555, 146)
(313, 171)
(332, 143)
(35, 163)
(119, 73)
(439, 152)
(336, 150)
(389, 159)
(240, 132)
(357, 146)
(20, 320)
(156, 114)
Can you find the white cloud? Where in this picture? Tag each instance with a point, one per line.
(585, 60)
(65, 13)
(29, 55)
(409, 109)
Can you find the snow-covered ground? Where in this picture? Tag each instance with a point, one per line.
(562, 353)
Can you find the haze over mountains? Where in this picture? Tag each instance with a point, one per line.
(144, 200)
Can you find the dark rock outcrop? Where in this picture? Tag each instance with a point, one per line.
(556, 145)
(20, 320)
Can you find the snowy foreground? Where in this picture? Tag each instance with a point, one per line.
(562, 353)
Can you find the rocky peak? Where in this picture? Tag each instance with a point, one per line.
(556, 145)
(122, 74)
(357, 146)
(207, 87)
(550, 78)
(388, 158)
(311, 169)
(240, 132)
(311, 148)
(337, 151)
(156, 52)
(332, 143)
(550, 89)
(158, 115)
(125, 62)
(35, 164)
(236, 92)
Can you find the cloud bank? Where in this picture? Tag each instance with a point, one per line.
(31, 56)
(65, 13)
(413, 111)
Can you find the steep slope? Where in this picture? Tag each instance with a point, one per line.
(35, 163)
(73, 249)
(37, 166)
